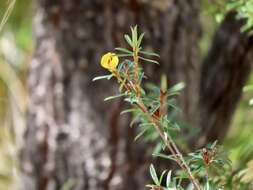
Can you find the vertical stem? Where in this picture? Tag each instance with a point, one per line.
(206, 167)
(170, 145)
(135, 86)
(136, 72)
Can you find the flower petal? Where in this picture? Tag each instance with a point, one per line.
(110, 61)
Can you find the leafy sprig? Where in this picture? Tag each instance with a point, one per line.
(151, 109)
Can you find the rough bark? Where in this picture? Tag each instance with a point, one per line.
(74, 138)
(224, 73)
(175, 36)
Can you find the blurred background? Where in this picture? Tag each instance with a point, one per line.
(15, 57)
(17, 49)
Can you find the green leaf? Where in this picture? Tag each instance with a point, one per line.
(140, 39)
(153, 88)
(153, 174)
(213, 144)
(131, 99)
(124, 50)
(175, 126)
(146, 124)
(124, 55)
(149, 60)
(134, 120)
(134, 35)
(161, 177)
(140, 134)
(128, 39)
(113, 97)
(149, 53)
(173, 105)
(127, 111)
(168, 157)
(177, 87)
(108, 77)
(158, 148)
(207, 186)
(168, 179)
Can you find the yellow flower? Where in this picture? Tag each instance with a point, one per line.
(110, 61)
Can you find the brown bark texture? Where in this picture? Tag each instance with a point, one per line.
(224, 72)
(74, 140)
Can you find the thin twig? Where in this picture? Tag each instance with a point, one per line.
(171, 145)
(134, 86)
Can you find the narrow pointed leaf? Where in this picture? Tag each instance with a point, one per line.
(214, 144)
(146, 124)
(149, 53)
(153, 174)
(124, 50)
(161, 177)
(124, 55)
(169, 157)
(149, 60)
(134, 35)
(134, 120)
(108, 77)
(127, 111)
(140, 134)
(177, 87)
(140, 39)
(168, 179)
(113, 97)
(128, 39)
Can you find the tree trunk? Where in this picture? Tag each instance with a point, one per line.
(224, 73)
(73, 138)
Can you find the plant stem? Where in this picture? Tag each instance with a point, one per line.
(136, 68)
(171, 145)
